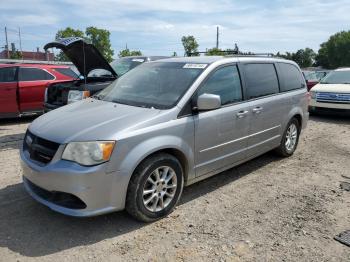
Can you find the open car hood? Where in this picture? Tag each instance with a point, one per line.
(74, 47)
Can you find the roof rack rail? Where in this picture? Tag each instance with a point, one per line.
(233, 53)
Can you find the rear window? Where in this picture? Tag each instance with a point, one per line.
(261, 80)
(33, 74)
(292, 78)
(67, 72)
(8, 74)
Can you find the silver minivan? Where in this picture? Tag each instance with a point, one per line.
(164, 125)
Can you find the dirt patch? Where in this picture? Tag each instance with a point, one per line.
(269, 209)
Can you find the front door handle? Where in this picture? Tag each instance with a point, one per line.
(242, 114)
(257, 110)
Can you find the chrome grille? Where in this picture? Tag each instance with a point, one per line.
(327, 97)
(39, 149)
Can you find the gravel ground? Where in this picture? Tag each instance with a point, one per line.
(269, 209)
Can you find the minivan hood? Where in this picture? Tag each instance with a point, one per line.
(336, 88)
(74, 47)
(90, 120)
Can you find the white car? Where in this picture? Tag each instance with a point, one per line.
(332, 93)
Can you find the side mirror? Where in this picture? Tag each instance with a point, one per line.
(208, 102)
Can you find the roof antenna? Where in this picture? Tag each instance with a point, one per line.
(85, 76)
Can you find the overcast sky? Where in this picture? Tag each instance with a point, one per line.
(156, 27)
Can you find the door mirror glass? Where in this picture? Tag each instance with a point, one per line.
(208, 102)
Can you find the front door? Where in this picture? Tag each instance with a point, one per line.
(8, 92)
(220, 134)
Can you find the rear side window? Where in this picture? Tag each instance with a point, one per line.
(224, 82)
(8, 74)
(261, 80)
(67, 72)
(33, 74)
(291, 76)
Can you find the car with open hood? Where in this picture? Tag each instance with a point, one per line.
(87, 60)
(332, 94)
(95, 71)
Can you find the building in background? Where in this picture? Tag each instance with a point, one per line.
(27, 55)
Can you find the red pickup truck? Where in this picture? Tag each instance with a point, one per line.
(22, 86)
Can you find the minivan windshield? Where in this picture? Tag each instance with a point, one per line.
(155, 84)
(337, 77)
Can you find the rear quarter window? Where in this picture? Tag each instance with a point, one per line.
(261, 80)
(291, 77)
(33, 74)
(8, 74)
(67, 72)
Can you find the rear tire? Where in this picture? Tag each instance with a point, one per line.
(290, 139)
(155, 188)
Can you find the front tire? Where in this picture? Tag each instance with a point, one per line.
(155, 188)
(290, 139)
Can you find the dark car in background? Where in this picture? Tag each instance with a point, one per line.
(313, 77)
(125, 64)
(95, 72)
(22, 86)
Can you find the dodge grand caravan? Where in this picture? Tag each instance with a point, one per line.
(162, 126)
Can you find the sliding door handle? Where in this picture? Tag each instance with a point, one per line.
(257, 110)
(242, 113)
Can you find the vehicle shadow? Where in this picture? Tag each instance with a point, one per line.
(12, 141)
(33, 230)
(330, 118)
(16, 121)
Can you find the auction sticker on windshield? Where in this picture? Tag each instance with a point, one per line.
(197, 66)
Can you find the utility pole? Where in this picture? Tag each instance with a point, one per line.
(20, 40)
(7, 44)
(217, 37)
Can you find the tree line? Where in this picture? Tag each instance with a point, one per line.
(333, 53)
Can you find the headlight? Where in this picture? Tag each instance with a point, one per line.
(76, 95)
(88, 153)
(313, 94)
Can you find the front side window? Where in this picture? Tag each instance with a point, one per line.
(157, 84)
(224, 82)
(67, 72)
(292, 78)
(8, 74)
(261, 80)
(33, 74)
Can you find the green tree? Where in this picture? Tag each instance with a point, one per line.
(127, 52)
(16, 55)
(190, 45)
(174, 54)
(335, 52)
(303, 57)
(67, 32)
(100, 39)
(214, 51)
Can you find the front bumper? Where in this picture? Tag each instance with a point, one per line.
(100, 192)
(330, 105)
